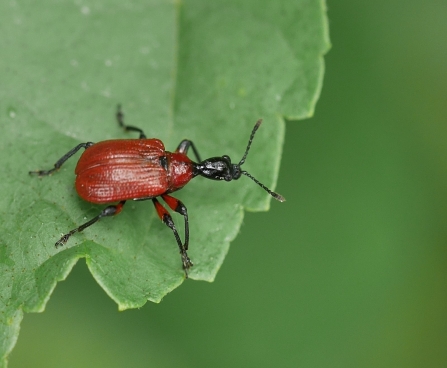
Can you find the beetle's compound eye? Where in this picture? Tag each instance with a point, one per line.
(236, 172)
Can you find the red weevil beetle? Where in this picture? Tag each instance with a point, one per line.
(140, 169)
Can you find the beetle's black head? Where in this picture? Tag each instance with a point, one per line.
(221, 168)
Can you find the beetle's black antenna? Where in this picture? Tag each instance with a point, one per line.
(258, 123)
(277, 196)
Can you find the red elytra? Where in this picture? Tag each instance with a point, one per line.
(140, 169)
(127, 169)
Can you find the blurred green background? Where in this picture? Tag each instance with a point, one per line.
(351, 271)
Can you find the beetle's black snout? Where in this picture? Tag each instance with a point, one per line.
(218, 168)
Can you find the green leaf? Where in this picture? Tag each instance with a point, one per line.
(200, 70)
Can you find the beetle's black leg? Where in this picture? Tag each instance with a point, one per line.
(127, 128)
(184, 146)
(167, 220)
(61, 161)
(108, 211)
(178, 206)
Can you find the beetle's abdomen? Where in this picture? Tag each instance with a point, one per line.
(118, 170)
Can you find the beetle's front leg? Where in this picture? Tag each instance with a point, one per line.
(168, 221)
(178, 206)
(184, 146)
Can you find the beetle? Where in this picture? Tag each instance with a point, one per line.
(141, 169)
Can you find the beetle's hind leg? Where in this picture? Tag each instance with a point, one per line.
(127, 128)
(61, 161)
(168, 221)
(108, 211)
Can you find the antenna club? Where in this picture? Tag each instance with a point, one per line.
(279, 197)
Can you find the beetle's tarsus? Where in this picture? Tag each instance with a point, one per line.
(62, 241)
(41, 172)
(187, 263)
